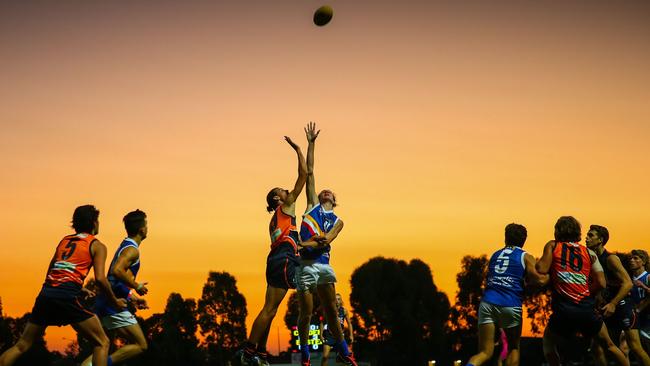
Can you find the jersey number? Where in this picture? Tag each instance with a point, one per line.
(574, 259)
(71, 246)
(503, 261)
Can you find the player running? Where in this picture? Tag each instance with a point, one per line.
(280, 263)
(58, 302)
(320, 226)
(618, 310)
(638, 266)
(122, 275)
(576, 275)
(501, 303)
(326, 335)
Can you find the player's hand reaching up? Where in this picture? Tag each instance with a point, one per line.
(310, 132)
(293, 144)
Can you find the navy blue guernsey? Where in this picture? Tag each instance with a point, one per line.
(505, 279)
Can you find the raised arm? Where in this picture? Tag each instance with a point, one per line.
(533, 277)
(121, 270)
(614, 263)
(99, 262)
(312, 134)
(544, 263)
(302, 175)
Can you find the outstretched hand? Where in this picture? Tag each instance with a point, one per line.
(290, 142)
(311, 132)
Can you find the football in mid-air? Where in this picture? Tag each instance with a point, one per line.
(323, 15)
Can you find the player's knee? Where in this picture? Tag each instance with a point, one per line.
(143, 346)
(102, 341)
(23, 345)
(270, 311)
(636, 348)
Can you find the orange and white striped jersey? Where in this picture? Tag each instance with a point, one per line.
(282, 229)
(571, 271)
(71, 262)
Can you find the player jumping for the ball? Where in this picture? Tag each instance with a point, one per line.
(320, 226)
(58, 302)
(122, 275)
(504, 293)
(280, 263)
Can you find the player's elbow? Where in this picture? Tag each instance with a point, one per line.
(627, 285)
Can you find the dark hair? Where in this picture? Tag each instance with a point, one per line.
(603, 233)
(271, 203)
(516, 235)
(643, 255)
(567, 229)
(84, 217)
(134, 221)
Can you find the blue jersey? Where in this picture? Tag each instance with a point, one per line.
(317, 221)
(121, 290)
(639, 294)
(505, 279)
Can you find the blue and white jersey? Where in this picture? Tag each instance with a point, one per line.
(317, 221)
(103, 307)
(505, 279)
(639, 294)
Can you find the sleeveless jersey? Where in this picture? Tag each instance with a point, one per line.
(283, 229)
(571, 272)
(505, 280)
(103, 306)
(317, 221)
(613, 284)
(69, 266)
(639, 294)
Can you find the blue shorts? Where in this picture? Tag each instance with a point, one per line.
(281, 267)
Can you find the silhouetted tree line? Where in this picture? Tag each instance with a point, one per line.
(399, 316)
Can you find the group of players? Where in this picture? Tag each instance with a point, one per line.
(592, 295)
(60, 301)
(300, 258)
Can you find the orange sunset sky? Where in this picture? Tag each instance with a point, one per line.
(442, 121)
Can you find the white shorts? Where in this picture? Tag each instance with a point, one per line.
(119, 320)
(502, 316)
(310, 274)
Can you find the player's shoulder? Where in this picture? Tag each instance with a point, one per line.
(313, 209)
